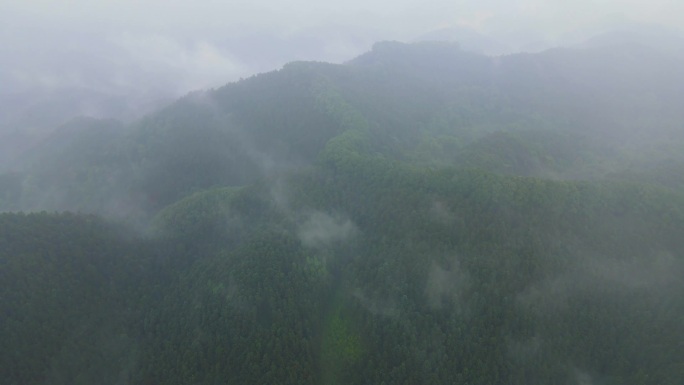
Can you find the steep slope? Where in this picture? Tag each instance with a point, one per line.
(419, 215)
(67, 289)
(412, 100)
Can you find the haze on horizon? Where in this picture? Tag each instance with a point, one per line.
(121, 59)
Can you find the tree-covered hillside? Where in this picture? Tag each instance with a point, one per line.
(564, 114)
(418, 215)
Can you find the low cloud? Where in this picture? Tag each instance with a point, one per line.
(320, 229)
(376, 306)
(188, 66)
(440, 212)
(444, 284)
(655, 275)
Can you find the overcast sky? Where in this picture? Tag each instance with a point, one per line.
(398, 17)
(179, 45)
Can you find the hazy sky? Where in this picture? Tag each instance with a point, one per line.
(179, 45)
(400, 17)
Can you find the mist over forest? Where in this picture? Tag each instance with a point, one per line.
(245, 201)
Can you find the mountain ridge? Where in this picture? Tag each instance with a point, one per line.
(420, 214)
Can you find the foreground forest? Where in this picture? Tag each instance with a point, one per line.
(418, 215)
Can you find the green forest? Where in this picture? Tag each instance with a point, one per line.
(417, 215)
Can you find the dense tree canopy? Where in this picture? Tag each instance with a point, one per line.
(419, 215)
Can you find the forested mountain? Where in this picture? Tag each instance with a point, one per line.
(420, 214)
